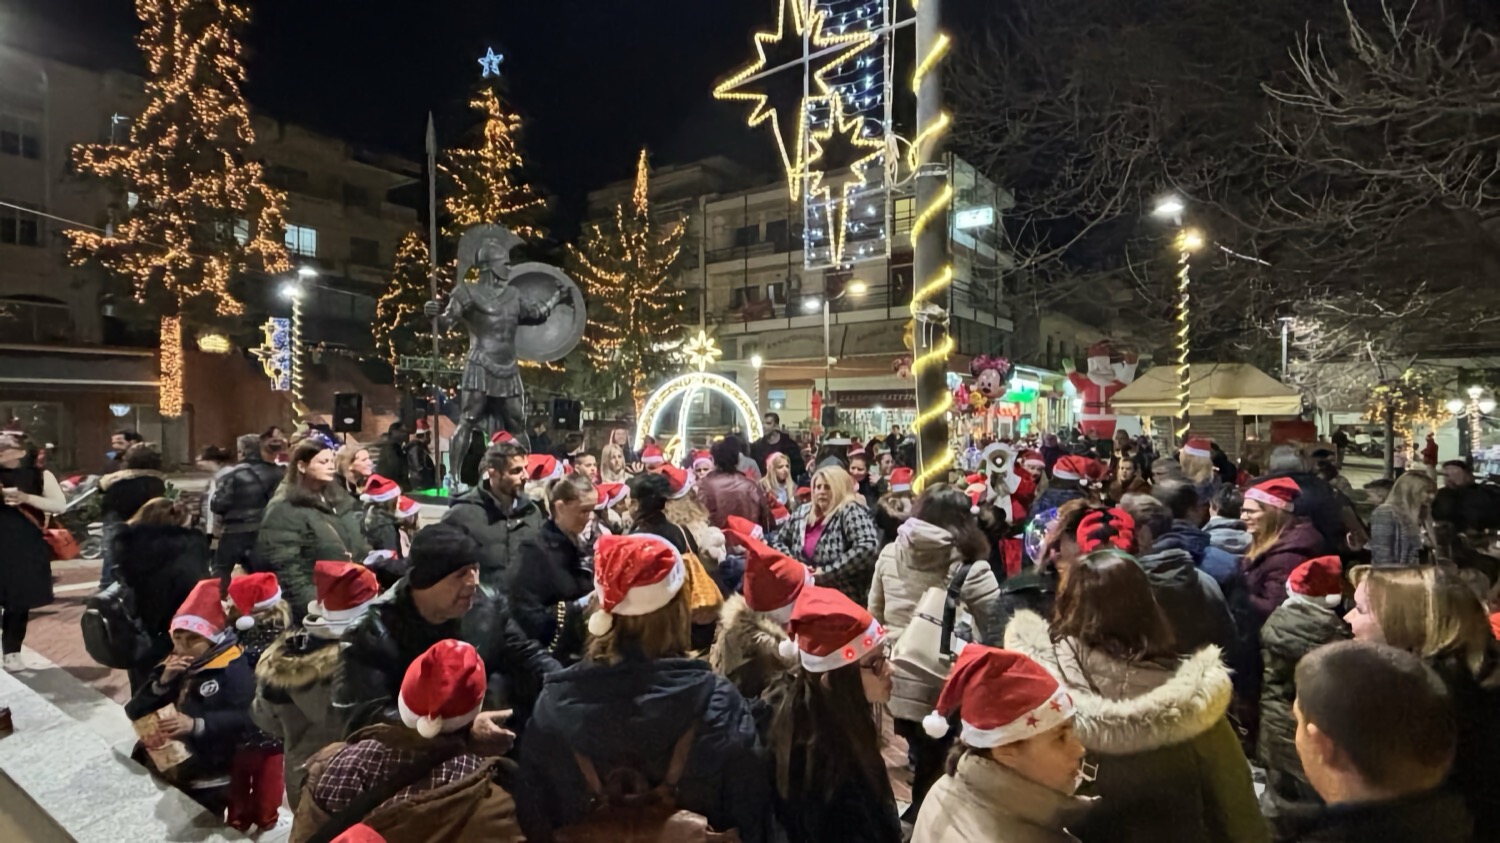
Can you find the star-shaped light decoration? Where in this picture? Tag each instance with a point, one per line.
(702, 351)
(848, 131)
(806, 23)
(490, 63)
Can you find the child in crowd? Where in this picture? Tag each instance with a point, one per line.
(260, 616)
(209, 686)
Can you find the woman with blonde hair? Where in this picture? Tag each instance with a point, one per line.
(355, 468)
(778, 482)
(1397, 526)
(834, 535)
(612, 465)
(1431, 612)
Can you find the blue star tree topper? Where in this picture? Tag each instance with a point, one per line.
(490, 62)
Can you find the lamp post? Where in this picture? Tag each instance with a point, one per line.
(1187, 241)
(293, 291)
(1474, 410)
(1286, 344)
(858, 288)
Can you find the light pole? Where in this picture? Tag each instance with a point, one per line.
(1286, 341)
(1187, 241)
(293, 291)
(1474, 411)
(858, 288)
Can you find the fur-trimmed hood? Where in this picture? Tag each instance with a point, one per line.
(1123, 707)
(128, 474)
(745, 650)
(297, 660)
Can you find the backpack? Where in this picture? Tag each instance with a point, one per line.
(624, 809)
(111, 634)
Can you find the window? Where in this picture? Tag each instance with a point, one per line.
(776, 292)
(364, 252)
(20, 136)
(19, 227)
(301, 240)
(289, 178)
(741, 296)
(747, 235)
(242, 232)
(356, 196)
(35, 319)
(776, 232)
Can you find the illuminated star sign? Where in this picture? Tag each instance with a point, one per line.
(806, 23)
(702, 351)
(848, 129)
(490, 62)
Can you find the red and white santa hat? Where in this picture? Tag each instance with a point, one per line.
(857, 450)
(1034, 461)
(501, 437)
(420, 426)
(202, 612)
(1071, 467)
(380, 489)
(702, 458)
(407, 508)
(540, 467)
(652, 456)
(359, 832)
(1278, 492)
(900, 479)
(744, 527)
(443, 689)
(773, 581)
(610, 495)
(976, 487)
(1318, 580)
(779, 514)
(345, 591)
(634, 575)
(253, 593)
(1198, 447)
(1002, 697)
(681, 482)
(829, 631)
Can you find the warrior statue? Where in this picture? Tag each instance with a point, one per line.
(532, 311)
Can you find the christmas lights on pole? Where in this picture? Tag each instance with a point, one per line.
(1186, 242)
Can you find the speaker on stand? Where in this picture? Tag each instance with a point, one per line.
(348, 412)
(567, 414)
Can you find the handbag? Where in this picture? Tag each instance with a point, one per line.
(926, 647)
(60, 539)
(705, 598)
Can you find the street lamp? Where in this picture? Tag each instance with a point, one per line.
(1170, 207)
(293, 291)
(811, 305)
(1473, 411)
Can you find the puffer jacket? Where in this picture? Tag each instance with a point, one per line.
(746, 650)
(294, 700)
(241, 495)
(1228, 534)
(1296, 628)
(300, 529)
(380, 529)
(160, 564)
(1220, 564)
(986, 802)
(1267, 573)
(922, 557)
(500, 534)
(216, 692)
(1170, 766)
(123, 493)
(1190, 599)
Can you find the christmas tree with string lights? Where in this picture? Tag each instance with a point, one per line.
(201, 213)
(625, 267)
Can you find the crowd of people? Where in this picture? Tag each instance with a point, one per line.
(1072, 643)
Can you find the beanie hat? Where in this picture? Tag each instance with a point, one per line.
(779, 514)
(1198, 447)
(1278, 492)
(773, 580)
(1002, 697)
(702, 458)
(1320, 580)
(443, 689)
(501, 437)
(736, 525)
(680, 480)
(543, 467)
(447, 554)
(253, 593)
(610, 494)
(829, 631)
(652, 456)
(1071, 467)
(900, 480)
(202, 612)
(344, 590)
(634, 575)
(1105, 529)
(407, 508)
(379, 490)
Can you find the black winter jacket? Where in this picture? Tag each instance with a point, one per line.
(500, 534)
(217, 695)
(1476, 767)
(240, 497)
(123, 493)
(1431, 817)
(631, 714)
(160, 565)
(1190, 599)
(545, 583)
(392, 634)
(1295, 629)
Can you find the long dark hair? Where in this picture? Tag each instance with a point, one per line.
(829, 726)
(942, 505)
(1105, 603)
(292, 487)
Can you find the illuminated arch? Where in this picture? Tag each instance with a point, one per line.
(685, 386)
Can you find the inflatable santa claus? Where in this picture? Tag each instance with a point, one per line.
(1098, 386)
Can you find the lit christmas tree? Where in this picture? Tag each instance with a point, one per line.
(489, 187)
(625, 268)
(400, 327)
(201, 212)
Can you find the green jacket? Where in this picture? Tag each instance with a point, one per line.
(500, 534)
(300, 529)
(1296, 628)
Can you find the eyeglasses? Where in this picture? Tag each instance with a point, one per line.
(877, 664)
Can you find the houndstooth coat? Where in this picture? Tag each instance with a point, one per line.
(844, 557)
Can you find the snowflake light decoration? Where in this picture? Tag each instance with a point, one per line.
(702, 351)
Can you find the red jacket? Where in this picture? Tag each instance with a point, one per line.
(730, 493)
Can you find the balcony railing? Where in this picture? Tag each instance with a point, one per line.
(736, 253)
(893, 297)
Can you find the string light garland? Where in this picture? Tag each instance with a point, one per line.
(819, 190)
(295, 349)
(487, 177)
(1188, 241)
(187, 160)
(625, 267)
(684, 386)
(702, 351)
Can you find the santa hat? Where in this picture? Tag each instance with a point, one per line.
(407, 508)
(1099, 349)
(1198, 447)
(681, 482)
(1002, 697)
(380, 489)
(1033, 460)
(1105, 529)
(702, 457)
(773, 581)
(359, 832)
(634, 575)
(1318, 580)
(1278, 492)
(420, 426)
(652, 456)
(501, 437)
(202, 612)
(976, 487)
(253, 593)
(744, 527)
(1071, 467)
(779, 514)
(443, 689)
(804, 493)
(541, 467)
(857, 450)
(610, 494)
(344, 591)
(829, 631)
(900, 479)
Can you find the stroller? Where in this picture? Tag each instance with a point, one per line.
(81, 516)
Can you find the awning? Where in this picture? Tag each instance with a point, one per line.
(77, 367)
(1235, 387)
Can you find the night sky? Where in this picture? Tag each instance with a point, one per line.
(593, 79)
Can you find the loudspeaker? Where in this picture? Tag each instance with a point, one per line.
(830, 417)
(567, 414)
(348, 412)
